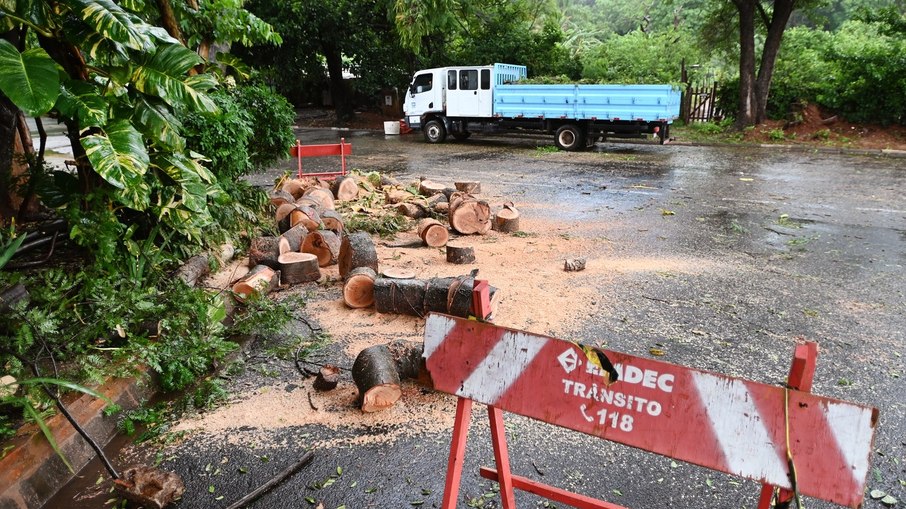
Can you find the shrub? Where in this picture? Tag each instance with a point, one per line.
(640, 57)
(273, 118)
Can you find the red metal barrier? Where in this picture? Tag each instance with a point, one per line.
(778, 436)
(341, 149)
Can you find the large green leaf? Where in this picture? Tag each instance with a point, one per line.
(29, 79)
(80, 100)
(164, 76)
(185, 171)
(119, 156)
(158, 123)
(114, 23)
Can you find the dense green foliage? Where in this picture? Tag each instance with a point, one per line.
(641, 57)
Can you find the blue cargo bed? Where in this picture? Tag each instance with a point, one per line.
(648, 103)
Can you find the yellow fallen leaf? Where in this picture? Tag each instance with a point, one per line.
(657, 351)
(746, 179)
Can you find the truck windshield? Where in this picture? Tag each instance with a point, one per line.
(422, 83)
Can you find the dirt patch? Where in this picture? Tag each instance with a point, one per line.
(813, 126)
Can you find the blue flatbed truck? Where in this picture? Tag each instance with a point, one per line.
(461, 100)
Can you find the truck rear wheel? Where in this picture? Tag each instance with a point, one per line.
(435, 132)
(570, 138)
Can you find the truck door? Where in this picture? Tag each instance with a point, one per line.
(469, 93)
(424, 95)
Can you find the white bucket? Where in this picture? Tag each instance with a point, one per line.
(392, 127)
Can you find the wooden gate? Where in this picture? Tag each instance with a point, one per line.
(699, 103)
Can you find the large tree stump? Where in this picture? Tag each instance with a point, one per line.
(429, 188)
(265, 251)
(377, 379)
(193, 269)
(433, 233)
(259, 281)
(327, 379)
(357, 250)
(291, 240)
(468, 215)
(11, 296)
(298, 267)
(358, 290)
(321, 195)
(332, 220)
(507, 219)
(411, 210)
(345, 188)
(400, 296)
(324, 244)
(470, 187)
(460, 254)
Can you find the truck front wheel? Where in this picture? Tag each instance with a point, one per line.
(435, 132)
(570, 138)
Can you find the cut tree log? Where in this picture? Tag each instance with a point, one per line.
(387, 180)
(358, 290)
(436, 295)
(574, 264)
(433, 201)
(194, 269)
(345, 188)
(260, 280)
(284, 210)
(327, 379)
(265, 251)
(306, 216)
(411, 210)
(398, 273)
(357, 250)
(11, 296)
(296, 187)
(308, 201)
(470, 187)
(325, 244)
(442, 208)
(400, 296)
(433, 233)
(393, 196)
(507, 219)
(460, 254)
(279, 197)
(291, 240)
(459, 296)
(429, 188)
(321, 195)
(298, 267)
(468, 215)
(332, 220)
(408, 357)
(377, 379)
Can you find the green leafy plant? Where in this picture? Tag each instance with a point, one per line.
(776, 135)
(8, 249)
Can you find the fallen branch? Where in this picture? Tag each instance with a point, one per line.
(269, 485)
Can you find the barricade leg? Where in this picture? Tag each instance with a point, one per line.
(299, 157)
(343, 155)
(457, 452)
(802, 373)
(501, 458)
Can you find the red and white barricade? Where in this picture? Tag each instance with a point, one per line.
(341, 149)
(782, 437)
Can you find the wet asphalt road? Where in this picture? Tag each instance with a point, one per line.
(804, 244)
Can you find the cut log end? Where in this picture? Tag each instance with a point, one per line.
(259, 281)
(345, 188)
(299, 267)
(433, 233)
(358, 291)
(357, 250)
(377, 379)
(325, 244)
(327, 379)
(470, 187)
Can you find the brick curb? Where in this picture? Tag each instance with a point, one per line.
(32, 472)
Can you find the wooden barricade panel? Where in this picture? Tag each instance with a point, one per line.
(716, 421)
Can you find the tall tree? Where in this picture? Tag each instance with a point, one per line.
(755, 85)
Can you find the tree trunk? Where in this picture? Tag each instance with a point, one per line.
(400, 296)
(298, 268)
(358, 291)
(338, 93)
(747, 110)
(194, 269)
(780, 16)
(332, 220)
(281, 197)
(168, 20)
(357, 251)
(305, 216)
(377, 379)
(324, 244)
(411, 210)
(468, 215)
